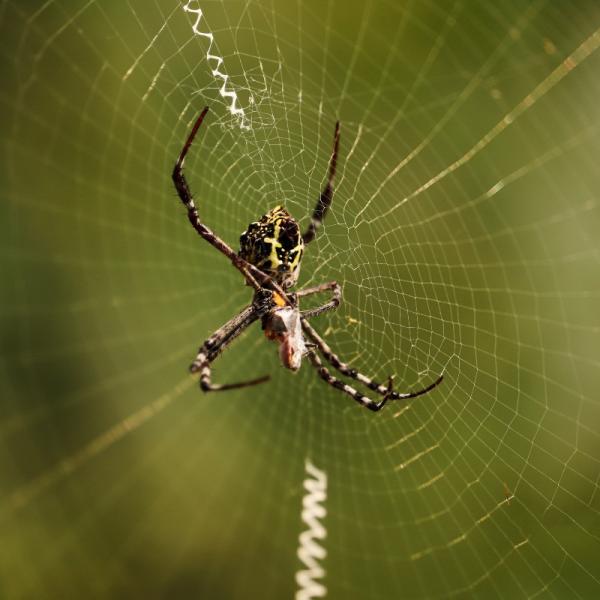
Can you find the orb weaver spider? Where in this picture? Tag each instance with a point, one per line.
(269, 259)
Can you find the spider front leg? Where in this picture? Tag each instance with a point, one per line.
(250, 273)
(326, 196)
(344, 369)
(216, 343)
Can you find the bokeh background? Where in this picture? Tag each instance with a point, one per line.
(465, 232)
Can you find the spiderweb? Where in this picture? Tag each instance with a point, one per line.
(464, 232)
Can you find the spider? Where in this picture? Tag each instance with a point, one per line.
(269, 259)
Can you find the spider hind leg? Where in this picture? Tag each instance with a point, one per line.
(338, 384)
(385, 390)
(219, 340)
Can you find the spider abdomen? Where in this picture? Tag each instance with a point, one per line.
(274, 245)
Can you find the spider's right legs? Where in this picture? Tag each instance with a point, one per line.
(336, 298)
(347, 389)
(334, 360)
(326, 196)
(217, 342)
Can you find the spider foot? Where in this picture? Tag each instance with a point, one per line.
(207, 386)
(404, 396)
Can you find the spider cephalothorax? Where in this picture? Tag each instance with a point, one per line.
(269, 259)
(274, 245)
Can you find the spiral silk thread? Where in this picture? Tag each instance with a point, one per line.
(310, 551)
(231, 95)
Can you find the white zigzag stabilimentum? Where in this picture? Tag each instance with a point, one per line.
(310, 551)
(218, 61)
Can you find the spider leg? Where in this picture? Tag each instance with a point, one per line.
(250, 273)
(334, 360)
(324, 373)
(326, 196)
(336, 298)
(216, 343)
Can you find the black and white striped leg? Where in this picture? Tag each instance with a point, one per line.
(324, 373)
(344, 369)
(336, 298)
(326, 196)
(206, 384)
(219, 340)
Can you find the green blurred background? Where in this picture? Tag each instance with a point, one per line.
(465, 231)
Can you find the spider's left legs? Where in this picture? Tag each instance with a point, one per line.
(326, 196)
(216, 343)
(347, 389)
(250, 273)
(336, 298)
(206, 384)
(344, 369)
